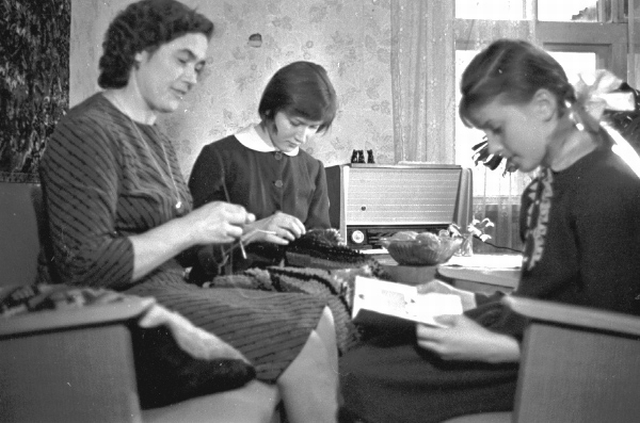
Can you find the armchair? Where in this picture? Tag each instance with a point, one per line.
(578, 365)
(77, 365)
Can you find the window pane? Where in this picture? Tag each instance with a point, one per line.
(568, 10)
(575, 63)
(490, 9)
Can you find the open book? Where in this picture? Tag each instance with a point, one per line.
(374, 299)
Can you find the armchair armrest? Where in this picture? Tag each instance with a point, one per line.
(578, 364)
(73, 365)
(570, 315)
(97, 314)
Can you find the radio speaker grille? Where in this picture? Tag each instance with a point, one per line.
(401, 196)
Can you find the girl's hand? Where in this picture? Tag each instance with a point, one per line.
(468, 298)
(464, 339)
(217, 222)
(279, 228)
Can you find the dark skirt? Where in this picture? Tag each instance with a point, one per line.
(270, 329)
(390, 379)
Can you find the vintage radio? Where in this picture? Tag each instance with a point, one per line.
(370, 201)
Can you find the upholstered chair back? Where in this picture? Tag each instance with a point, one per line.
(19, 242)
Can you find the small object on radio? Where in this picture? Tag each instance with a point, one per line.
(357, 156)
(370, 158)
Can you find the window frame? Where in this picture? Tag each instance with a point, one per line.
(608, 40)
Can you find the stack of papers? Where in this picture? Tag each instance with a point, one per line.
(487, 261)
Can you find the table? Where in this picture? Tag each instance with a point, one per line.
(484, 273)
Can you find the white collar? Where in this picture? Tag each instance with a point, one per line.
(250, 138)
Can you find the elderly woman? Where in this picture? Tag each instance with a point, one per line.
(121, 216)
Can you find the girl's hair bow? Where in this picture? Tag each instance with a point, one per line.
(596, 93)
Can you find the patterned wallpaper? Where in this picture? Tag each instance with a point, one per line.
(350, 38)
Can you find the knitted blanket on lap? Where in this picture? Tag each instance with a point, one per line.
(334, 286)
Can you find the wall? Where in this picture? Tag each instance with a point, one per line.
(350, 38)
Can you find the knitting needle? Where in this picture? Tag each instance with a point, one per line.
(228, 197)
(251, 233)
(265, 232)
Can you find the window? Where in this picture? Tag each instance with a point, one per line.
(547, 10)
(582, 10)
(568, 10)
(490, 9)
(575, 63)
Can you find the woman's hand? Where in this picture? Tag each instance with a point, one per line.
(468, 298)
(213, 223)
(279, 228)
(464, 339)
(217, 222)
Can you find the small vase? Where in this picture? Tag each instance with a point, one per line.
(466, 249)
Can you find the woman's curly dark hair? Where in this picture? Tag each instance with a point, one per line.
(145, 26)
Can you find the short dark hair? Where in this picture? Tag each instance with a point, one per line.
(300, 89)
(145, 26)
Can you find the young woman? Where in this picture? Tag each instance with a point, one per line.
(263, 167)
(581, 220)
(121, 216)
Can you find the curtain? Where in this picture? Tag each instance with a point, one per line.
(422, 75)
(430, 49)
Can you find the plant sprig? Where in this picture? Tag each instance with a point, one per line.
(476, 228)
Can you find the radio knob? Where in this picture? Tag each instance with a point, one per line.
(357, 237)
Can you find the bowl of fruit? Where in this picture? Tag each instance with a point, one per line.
(420, 248)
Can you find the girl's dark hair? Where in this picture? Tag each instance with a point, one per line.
(145, 26)
(300, 89)
(514, 70)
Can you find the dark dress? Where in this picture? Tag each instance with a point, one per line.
(582, 247)
(264, 182)
(244, 170)
(106, 177)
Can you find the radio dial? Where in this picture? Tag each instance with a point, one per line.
(357, 237)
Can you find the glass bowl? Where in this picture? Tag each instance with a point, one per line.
(422, 251)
